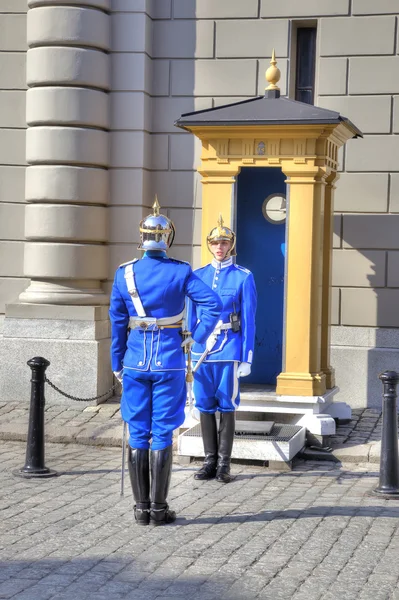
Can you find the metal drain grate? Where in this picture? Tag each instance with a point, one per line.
(278, 433)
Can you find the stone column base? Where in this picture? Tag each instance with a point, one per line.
(76, 341)
(301, 384)
(321, 424)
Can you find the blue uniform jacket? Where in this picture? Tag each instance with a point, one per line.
(162, 284)
(236, 287)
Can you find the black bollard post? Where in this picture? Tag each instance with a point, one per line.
(34, 462)
(388, 486)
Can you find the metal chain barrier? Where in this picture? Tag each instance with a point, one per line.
(57, 389)
(34, 463)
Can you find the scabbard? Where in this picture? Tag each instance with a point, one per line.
(201, 360)
(123, 458)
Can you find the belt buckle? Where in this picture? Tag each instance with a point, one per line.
(146, 323)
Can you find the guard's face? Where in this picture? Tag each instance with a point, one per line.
(220, 248)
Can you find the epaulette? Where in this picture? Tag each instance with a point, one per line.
(200, 268)
(128, 262)
(180, 262)
(243, 269)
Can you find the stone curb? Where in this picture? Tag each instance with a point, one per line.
(353, 454)
(110, 435)
(107, 434)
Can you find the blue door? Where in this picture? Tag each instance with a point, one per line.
(261, 248)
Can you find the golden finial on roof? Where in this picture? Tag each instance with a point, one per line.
(273, 74)
(156, 206)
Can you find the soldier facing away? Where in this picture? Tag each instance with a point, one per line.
(226, 355)
(146, 311)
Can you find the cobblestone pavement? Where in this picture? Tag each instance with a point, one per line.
(364, 427)
(310, 534)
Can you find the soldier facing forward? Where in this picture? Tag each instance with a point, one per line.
(148, 298)
(226, 355)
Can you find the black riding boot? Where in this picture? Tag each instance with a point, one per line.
(139, 471)
(161, 471)
(226, 438)
(210, 440)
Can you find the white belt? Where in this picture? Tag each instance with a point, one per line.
(151, 322)
(224, 326)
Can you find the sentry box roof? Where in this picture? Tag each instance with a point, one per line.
(270, 109)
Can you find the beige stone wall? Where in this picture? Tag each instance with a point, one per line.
(13, 48)
(152, 84)
(192, 54)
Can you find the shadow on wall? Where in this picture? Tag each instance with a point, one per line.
(368, 308)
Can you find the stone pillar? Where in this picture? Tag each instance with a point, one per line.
(62, 315)
(67, 152)
(302, 375)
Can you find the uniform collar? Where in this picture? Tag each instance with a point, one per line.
(155, 254)
(223, 264)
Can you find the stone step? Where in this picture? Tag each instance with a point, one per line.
(251, 441)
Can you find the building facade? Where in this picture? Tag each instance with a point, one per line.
(89, 94)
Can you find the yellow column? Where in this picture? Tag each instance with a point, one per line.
(302, 375)
(217, 198)
(327, 277)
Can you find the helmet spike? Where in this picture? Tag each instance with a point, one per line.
(220, 221)
(156, 206)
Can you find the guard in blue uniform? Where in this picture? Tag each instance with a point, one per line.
(226, 355)
(147, 306)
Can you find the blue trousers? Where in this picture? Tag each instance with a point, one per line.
(216, 387)
(152, 405)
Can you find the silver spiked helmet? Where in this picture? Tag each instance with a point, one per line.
(157, 232)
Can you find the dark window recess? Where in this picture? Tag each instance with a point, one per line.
(305, 64)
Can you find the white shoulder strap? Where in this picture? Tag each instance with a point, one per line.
(131, 288)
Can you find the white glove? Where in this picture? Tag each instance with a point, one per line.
(119, 375)
(244, 369)
(188, 341)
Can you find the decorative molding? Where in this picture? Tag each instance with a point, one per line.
(222, 150)
(248, 151)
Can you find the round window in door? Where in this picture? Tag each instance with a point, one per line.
(274, 208)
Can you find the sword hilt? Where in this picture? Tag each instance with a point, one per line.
(187, 350)
(189, 375)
